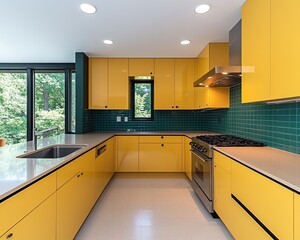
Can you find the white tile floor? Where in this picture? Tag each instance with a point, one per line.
(150, 207)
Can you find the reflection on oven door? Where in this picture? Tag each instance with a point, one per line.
(202, 175)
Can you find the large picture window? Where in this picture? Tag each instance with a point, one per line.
(36, 96)
(142, 100)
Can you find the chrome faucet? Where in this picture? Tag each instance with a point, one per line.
(41, 133)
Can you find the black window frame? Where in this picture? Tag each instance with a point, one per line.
(31, 68)
(133, 82)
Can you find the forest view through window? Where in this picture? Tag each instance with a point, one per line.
(13, 107)
(36, 99)
(50, 101)
(142, 100)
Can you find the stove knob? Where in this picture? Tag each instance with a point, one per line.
(204, 150)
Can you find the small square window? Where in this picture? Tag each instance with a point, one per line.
(142, 99)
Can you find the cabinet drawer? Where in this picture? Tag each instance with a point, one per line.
(158, 157)
(270, 202)
(65, 173)
(38, 224)
(18, 206)
(222, 161)
(160, 139)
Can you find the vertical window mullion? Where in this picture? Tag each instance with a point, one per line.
(30, 103)
(68, 79)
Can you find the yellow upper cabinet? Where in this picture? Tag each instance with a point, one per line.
(108, 83)
(118, 84)
(270, 43)
(256, 50)
(141, 67)
(164, 84)
(285, 49)
(173, 84)
(184, 88)
(212, 97)
(98, 83)
(214, 54)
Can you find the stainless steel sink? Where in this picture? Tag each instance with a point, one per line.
(54, 151)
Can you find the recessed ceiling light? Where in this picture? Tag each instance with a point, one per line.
(107, 41)
(185, 42)
(203, 8)
(88, 8)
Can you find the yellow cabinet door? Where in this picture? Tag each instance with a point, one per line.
(105, 165)
(141, 67)
(100, 169)
(68, 213)
(184, 88)
(285, 49)
(238, 222)
(202, 63)
(98, 83)
(38, 224)
(214, 54)
(256, 50)
(201, 97)
(86, 184)
(212, 97)
(118, 84)
(296, 216)
(222, 189)
(19, 205)
(164, 88)
(156, 157)
(127, 154)
(111, 159)
(270, 202)
(187, 158)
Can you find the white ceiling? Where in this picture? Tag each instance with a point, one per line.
(53, 30)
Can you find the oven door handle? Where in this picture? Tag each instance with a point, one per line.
(202, 158)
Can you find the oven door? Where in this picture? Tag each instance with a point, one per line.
(202, 173)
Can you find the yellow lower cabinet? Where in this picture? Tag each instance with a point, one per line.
(222, 188)
(86, 183)
(127, 154)
(38, 224)
(269, 202)
(105, 165)
(160, 157)
(100, 168)
(76, 197)
(19, 205)
(68, 215)
(296, 216)
(111, 158)
(238, 222)
(187, 158)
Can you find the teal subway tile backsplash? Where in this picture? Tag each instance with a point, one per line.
(275, 125)
(163, 121)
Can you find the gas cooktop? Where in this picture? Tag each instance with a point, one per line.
(228, 141)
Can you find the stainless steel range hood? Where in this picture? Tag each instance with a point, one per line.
(226, 76)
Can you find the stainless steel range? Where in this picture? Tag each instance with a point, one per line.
(202, 163)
